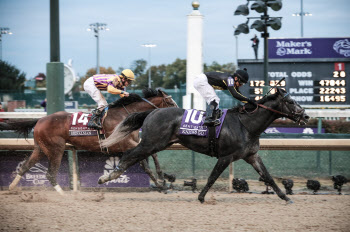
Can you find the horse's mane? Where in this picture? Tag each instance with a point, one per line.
(250, 107)
(124, 101)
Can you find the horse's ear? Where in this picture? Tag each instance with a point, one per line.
(160, 92)
(280, 91)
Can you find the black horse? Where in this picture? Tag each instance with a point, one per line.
(239, 138)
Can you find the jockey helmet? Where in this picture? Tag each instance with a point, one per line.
(128, 74)
(242, 75)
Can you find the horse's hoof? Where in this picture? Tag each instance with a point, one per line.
(289, 202)
(100, 180)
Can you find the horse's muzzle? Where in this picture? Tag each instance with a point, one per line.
(300, 117)
(304, 118)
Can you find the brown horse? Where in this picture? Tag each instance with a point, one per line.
(51, 133)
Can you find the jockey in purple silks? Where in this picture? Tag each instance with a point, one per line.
(112, 83)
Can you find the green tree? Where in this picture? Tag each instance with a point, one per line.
(229, 68)
(175, 74)
(40, 80)
(10, 77)
(139, 67)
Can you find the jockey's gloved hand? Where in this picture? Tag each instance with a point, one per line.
(252, 101)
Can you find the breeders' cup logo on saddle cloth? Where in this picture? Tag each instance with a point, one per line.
(192, 123)
(342, 47)
(110, 165)
(78, 125)
(36, 174)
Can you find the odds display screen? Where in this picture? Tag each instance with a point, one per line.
(310, 82)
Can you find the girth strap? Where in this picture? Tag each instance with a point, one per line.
(212, 141)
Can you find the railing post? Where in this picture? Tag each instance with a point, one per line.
(330, 162)
(73, 170)
(318, 154)
(193, 155)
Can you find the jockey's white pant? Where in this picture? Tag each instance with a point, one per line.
(201, 84)
(95, 93)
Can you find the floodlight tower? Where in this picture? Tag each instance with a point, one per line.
(149, 46)
(3, 31)
(302, 14)
(96, 27)
(261, 25)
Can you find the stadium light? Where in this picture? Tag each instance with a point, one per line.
(259, 6)
(242, 10)
(275, 23)
(258, 25)
(242, 28)
(261, 25)
(96, 27)
(149, 46)
(302, 14)
(275, 5)
(3, 31)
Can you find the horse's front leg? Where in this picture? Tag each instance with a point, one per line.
(259, 166)
(220, 166)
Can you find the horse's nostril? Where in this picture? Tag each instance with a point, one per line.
(307, 117)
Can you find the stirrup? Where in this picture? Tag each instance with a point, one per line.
(94, 122)
(94, 125)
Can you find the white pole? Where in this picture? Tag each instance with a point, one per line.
(194, 65)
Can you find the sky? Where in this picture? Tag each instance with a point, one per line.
(162, 22)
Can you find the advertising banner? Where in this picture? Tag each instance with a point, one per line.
(299, 130)
(91, 167)
(10, 162)
(309, 48)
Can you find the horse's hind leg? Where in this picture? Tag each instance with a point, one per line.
(156, 164)
(259, 166)
(128, 159)
(147, 169)
(34, 158)
(220, 166)
(54, 165)
(54, 153)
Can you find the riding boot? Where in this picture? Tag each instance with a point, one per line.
(212, 114)
(95, 120)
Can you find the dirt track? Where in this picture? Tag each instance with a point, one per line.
(176, 211)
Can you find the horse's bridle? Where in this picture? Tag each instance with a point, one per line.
(163, 100)
(295, 115)
(156, 107)
(144, 99)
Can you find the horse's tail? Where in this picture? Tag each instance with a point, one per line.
(21, 128)
(131, 123)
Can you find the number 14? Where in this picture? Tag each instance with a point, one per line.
(82, 119)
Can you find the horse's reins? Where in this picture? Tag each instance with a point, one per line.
(150, 103)
(144, 99)
(292, 115)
